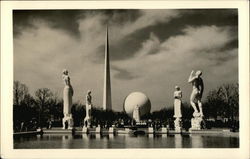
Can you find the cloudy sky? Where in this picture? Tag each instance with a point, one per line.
(150, 50)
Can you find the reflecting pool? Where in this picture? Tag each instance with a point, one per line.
(97, 141)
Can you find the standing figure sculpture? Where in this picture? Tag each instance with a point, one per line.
(195, 98)
(177, 102)
(67, 101)
(88, 109)
(177, 108)
(136, 113)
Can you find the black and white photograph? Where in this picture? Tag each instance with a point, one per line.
(127, 78)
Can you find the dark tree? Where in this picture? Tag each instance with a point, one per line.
(24, 107)
(43, 99)
(223, 101)
(20, 91)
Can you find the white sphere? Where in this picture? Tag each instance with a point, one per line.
(134, 99)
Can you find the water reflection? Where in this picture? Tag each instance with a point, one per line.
(151, 135)
(84, 136)
(97, 136)
(178, 140)
(196, 141)
(100, 141)
(66, 140)
(111, 136)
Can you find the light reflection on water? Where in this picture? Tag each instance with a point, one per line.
(178, 141)
(66, 141)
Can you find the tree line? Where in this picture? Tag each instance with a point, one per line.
(35, 111)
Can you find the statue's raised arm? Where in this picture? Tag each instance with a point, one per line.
(191, 77)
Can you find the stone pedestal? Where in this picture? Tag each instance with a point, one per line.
(111, 130)
(177, 124)
(127, 130)
(98, 129)
(85, 130)
(196, 121)
(67, 121)
(164, 130)
(177, 109)
(87, 121)
(150, 130)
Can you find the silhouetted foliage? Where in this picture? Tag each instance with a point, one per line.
(24, 106)
(20, 91)
(78, 112)
(187, 111)
(30, 112)
(43, 98)
(223, 102)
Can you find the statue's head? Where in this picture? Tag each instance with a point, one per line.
(177, 88)
(89, 92)
(65, 72)
(198, 73)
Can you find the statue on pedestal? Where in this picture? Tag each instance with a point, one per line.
(136, 113)
(88, 109)
(67, 101)
(195, 98)
(177, 108)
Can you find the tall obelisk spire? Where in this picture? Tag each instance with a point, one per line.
(107, 104)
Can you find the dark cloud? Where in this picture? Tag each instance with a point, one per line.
(127, 47)
(219, 17)
(231, 45)
(123, 74)
(65, 20)
(121, 16)
(195, 17)
(218, 57)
